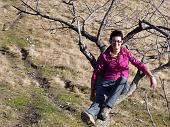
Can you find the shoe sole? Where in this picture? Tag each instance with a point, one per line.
(87, 118)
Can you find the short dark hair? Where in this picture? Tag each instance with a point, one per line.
(116, 33)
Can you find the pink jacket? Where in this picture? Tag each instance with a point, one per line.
(116, 67)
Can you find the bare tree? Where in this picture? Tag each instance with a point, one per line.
(146, 21)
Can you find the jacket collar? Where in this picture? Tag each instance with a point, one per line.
(109, 51)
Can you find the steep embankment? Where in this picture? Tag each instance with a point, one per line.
(44, 79)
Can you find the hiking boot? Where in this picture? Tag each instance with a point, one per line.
(104, 113)
(87, 118)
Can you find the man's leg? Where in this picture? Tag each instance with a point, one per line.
(115, 92)
(90, 115)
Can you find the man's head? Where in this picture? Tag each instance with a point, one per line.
(116, 33)
(116, 40)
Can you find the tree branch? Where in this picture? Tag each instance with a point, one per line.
(70, 26)
(102, 25)
(83, 48)
(144, 25)
(156, 28)
(163, 67)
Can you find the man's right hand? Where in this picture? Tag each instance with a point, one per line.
(93, 93)
(92, 96)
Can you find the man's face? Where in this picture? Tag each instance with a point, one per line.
(116, 43)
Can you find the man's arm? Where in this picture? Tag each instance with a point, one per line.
(142, 67)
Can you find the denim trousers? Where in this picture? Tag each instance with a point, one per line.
(107, 92)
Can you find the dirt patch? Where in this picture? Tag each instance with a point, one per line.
(44, 83)
(31, 116)
(70, 86)
(6, 51)
(34, 73)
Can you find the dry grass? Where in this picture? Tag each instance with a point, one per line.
(58, 58)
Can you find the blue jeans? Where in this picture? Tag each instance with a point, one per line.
(107, 92)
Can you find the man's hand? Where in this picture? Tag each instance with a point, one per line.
(153, 82)
(92, 96)
(93, 93)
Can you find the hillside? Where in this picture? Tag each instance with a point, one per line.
(45, 79)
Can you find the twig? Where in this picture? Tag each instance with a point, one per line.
(165, 95)
(147, 108)
(103, 24)
(37, 4)
(12, 24)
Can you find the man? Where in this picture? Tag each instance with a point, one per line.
(114, 64)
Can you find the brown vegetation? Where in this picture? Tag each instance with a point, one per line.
(54, 59)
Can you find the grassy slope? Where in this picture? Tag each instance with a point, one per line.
(23, 100)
